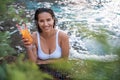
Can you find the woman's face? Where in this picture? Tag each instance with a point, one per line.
(45, 21)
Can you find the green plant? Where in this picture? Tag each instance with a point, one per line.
(3, 7)
(25, 70)
(5, 48)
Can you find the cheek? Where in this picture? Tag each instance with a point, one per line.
(52, 22)
(40, 24)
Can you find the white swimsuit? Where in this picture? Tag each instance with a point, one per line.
(55, 54)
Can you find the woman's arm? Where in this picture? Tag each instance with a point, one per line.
(31, 52)
(31, 48)
(49, 61)
(64, 44)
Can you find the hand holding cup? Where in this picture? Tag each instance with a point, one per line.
(26, 35)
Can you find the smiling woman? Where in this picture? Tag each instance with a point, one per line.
(49, 44)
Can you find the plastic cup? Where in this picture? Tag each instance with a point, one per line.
(25, 33)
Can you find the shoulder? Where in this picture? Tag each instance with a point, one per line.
(62, 34)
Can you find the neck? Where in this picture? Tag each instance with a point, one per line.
(47, 35)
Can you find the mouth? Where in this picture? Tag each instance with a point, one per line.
(46, 28)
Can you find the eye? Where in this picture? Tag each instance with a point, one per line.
(41, 21)
(49, 19)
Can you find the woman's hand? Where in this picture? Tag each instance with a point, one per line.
(26, 42)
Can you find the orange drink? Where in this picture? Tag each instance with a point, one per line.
(25, 32)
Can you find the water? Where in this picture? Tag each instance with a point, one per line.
(92, 14)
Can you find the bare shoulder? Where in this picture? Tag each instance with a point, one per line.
(63, 34)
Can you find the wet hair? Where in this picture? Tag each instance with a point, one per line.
(41, 10)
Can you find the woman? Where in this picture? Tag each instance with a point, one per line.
(49, 44)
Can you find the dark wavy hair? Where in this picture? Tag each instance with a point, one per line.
(41, 10)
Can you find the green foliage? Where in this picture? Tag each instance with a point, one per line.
(89, 69)
(22, 70)
(5, 48)
(17, 14)
(25, 70)
(96, 70)
(10, 11)
(62, 65)
(2, 72)
(99, 35)
(3, 7)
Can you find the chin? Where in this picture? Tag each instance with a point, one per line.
(47, 30)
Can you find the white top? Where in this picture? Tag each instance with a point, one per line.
(55, 54)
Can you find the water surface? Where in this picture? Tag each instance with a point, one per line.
(90, 14)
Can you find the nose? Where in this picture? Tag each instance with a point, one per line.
(46, 23)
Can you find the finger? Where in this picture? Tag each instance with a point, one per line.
(27, 43)
(24, 39)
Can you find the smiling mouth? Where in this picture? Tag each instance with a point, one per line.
(46, 27)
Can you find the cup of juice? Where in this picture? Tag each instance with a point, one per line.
(25, 33)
